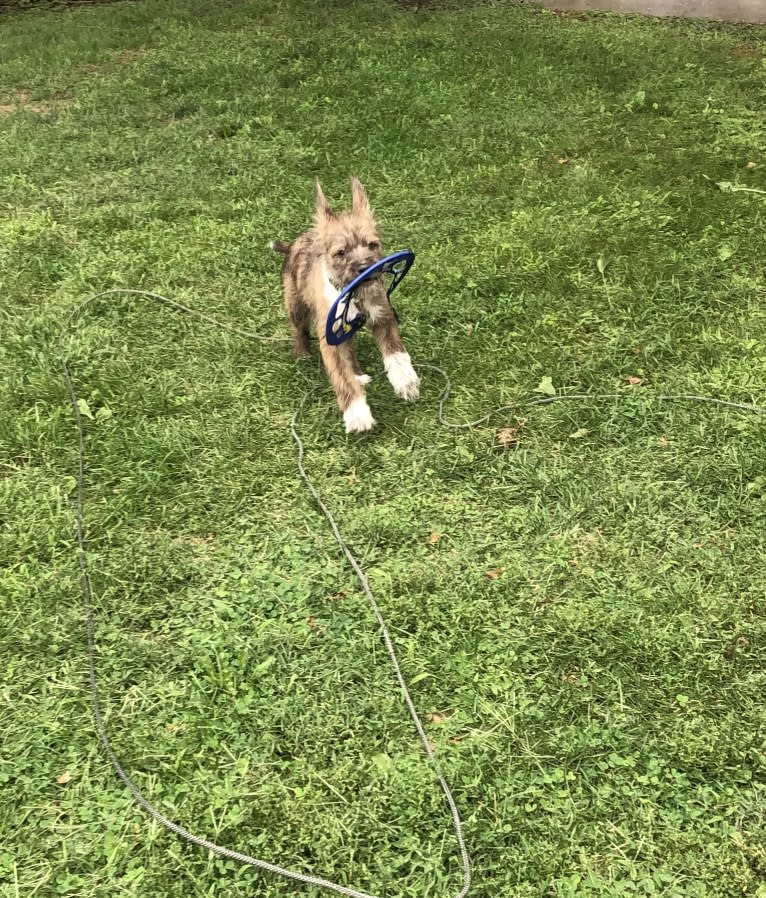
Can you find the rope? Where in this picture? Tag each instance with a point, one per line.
(103, 736)
(361, 576)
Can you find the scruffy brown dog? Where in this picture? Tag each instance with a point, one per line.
(317, 266)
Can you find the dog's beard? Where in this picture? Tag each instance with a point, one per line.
(371, 287)
(341, 279)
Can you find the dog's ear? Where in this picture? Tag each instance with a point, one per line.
(323, 207)
(360, 202)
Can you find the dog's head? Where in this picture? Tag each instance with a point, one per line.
(350, 239)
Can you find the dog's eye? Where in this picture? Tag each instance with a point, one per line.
(373, 244)
(339, 253)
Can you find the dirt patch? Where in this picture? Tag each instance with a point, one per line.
(748, 51)
(430, 4)
(21, 100)
(14, 465)
(25, 5)
(571, 14)
(111, 64)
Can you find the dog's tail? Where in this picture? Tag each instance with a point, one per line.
(280, 247)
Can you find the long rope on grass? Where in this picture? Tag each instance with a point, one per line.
(87, 593)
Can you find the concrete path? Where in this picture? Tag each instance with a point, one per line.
(731, 10)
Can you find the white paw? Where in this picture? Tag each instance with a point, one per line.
(363, 379)
(402, 375)
(358, 417)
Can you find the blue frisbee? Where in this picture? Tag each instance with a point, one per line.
(344, 319)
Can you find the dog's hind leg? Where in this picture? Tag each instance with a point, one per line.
(356, 367)
(300, 319)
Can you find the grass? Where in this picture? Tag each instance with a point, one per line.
(580, 612)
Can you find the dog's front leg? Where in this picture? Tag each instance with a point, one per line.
(396, 359)
(339, 362)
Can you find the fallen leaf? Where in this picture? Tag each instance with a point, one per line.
(84, 408)
(562, 160)
(579, 434)
(546, 386)
(741, 642)
(635, 381)
(751, 165)
(495, 573)
(507, 436)
(434, 538)
(64, 778)
(383, 762)
(663, 441)
(438, 717)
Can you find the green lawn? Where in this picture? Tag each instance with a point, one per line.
(579, 603)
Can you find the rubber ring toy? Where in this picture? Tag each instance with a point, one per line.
(344, 319)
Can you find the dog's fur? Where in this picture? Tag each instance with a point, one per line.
(317, 266)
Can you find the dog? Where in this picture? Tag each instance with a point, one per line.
(317, 266)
